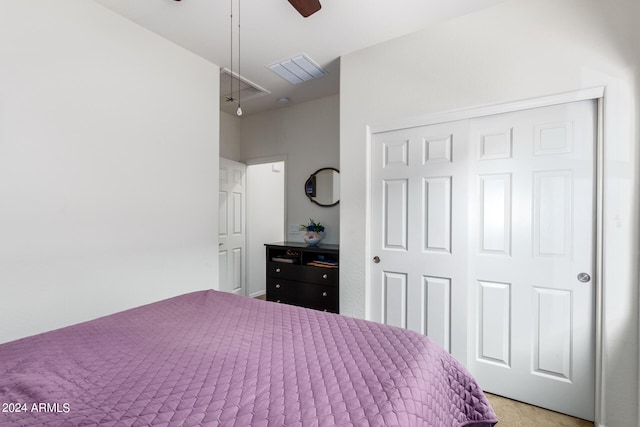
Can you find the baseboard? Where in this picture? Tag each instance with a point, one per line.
(257, 294)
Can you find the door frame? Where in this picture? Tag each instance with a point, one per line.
(597, 94)
(259, 161)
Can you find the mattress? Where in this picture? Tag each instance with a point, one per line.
(215, 359)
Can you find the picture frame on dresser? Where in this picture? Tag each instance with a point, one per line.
(303, 275)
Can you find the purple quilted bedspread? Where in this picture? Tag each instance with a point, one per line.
(215, 359)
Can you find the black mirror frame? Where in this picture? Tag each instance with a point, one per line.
(312, 177)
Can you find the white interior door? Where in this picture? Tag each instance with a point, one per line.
(481, 229)
(531, 237)
(231, 226)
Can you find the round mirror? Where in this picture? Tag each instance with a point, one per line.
(323, 187)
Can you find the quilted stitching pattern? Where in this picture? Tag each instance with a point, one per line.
(215, 359)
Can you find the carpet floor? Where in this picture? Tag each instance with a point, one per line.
(517, 414)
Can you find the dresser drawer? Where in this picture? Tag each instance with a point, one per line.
(282, 290)
(303, 273)
(303, 294)
(321, 298)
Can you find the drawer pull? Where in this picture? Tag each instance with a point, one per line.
(277, 285)
(278, 301)
(277, 270)
(324, 294)
(325, 309)
(324, 276)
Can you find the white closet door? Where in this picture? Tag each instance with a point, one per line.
(482, 238)
(419, 197)
(531, 251)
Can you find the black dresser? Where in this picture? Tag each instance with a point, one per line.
(303, 275)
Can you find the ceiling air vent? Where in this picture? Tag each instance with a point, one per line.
(229, 87)
(298, 69)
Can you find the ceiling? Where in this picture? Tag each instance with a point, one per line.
(272, 30)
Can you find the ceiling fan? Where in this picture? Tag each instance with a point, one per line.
(306, 7)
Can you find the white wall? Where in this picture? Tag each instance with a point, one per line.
(108, 166)
(229, 136)
(517, 50)
(308, 134)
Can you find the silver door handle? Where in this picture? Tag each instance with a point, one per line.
(376, 259)
(584, 277)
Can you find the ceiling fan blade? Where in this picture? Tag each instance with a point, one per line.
(306, 7)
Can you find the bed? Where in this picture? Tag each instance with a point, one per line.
(209, 358)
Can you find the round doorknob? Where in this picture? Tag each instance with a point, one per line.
(376, 259)
(584, 277)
